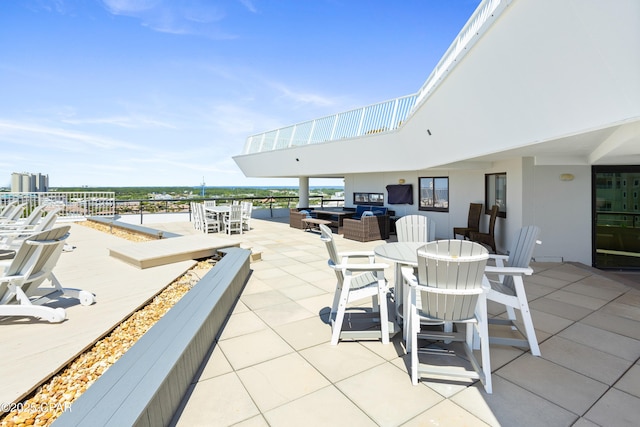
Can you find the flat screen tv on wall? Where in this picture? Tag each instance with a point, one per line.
(400, 194)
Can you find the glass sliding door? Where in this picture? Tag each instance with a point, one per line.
(616, 217)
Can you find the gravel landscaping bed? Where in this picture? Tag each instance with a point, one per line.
(55, 396)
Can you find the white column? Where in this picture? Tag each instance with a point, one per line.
(303, 192)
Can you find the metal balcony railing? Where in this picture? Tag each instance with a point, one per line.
(381, 117)
(71, 205)
(385, 116)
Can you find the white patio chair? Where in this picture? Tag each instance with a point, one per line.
(20, 291)
(25, 223)
(6, 211)
(195, 216)
(508, 288)
(232, 221)
(449, 288)
(208, 223)
(356, 281)
(14, 214)
(412, 228)
(415, 228)
(12, 239)
(247, 207)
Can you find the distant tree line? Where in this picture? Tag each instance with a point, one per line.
(142, 193)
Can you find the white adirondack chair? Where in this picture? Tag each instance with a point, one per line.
(356, 281)
(450, 288)
(507, 287)
(12, 239)
(20, 291)
(415, 228)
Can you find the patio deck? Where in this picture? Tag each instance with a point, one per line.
(273, 364)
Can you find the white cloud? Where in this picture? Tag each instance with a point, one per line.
(303, 97)
(129, 122)
(174, 17)
(42, 136)
(249, 5)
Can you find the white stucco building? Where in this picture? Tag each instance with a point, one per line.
(542, 95)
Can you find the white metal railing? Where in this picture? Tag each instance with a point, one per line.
(71, 205)
(376, 118)
(475, 26)
(385, 116)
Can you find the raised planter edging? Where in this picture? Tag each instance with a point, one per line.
(148, 231)
(146, 385)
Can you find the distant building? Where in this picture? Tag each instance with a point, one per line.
(29, 182)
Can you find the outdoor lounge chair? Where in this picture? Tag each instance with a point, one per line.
(357, 281)
(449, 288)
(6, 211)
(14, 214)
(507, 287)
(26, 223)
(13, 238)
(20, 292)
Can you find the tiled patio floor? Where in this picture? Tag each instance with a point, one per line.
(273, 365)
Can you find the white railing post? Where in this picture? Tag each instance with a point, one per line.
(361, 123)
(313, 129)
(333, 130)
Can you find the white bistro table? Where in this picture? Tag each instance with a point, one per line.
(219, 212)
(402, 254)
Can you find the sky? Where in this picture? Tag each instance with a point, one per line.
(165, 92)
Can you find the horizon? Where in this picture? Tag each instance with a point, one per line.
(118, 93)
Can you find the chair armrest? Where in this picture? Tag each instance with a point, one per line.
(357, 254)
(361, 267)
(510, 271)
(497, 257)
(449, 291)
(408, 276)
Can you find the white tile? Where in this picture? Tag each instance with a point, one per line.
(281, 380)
(325, 407)
(385, 393)
(615, 408)
(220, 401)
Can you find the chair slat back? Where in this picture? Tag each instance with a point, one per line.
(235, 212)
(326, 235)
(35, 259)
(452, 265)
(8, 209)
(415, 228)
(492, 219)
(48, 221)
(521, 251)
(475, 212)
(15, 214)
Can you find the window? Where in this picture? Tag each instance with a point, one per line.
(434, 194)
(376, 199)
(495, 193)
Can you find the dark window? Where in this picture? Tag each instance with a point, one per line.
(495, 193)
(376, 199)
(434, 194)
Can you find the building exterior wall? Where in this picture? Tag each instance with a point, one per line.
(535, 196)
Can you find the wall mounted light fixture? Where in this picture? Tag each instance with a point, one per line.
(566, 177)
(401, 181)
